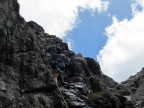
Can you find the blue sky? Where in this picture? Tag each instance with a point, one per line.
(109, 31)
(89, 36)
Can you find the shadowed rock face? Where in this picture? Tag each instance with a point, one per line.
(133, 88)
(26, 75)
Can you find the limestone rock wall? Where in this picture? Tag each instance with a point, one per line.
(27, 76)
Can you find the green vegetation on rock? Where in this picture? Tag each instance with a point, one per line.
(94, 96)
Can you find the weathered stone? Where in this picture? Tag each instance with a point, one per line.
(27, 75)
(134, 87)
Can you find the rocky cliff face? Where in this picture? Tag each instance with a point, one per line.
(26, 73)
(133, 89)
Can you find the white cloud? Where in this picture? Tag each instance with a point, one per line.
(58, 17)
(135, 5)
(70, 43)
(123, 54)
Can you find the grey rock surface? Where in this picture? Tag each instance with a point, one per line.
(27, 76)
(134, 88)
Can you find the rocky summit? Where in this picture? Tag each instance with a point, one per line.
(27, 55)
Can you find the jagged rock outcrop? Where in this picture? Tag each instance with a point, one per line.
(133, 89)
(26, 73)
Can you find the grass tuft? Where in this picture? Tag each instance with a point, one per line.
(96, 95)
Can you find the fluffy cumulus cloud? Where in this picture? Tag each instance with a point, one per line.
(123, 54)
(58, 17)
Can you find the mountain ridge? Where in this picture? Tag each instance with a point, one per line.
(27, 76)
